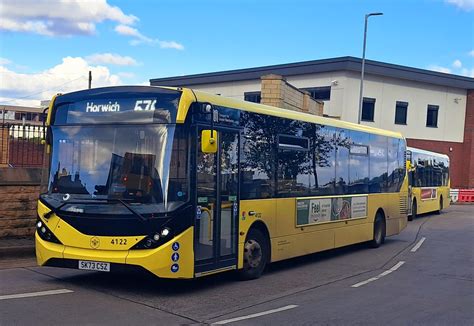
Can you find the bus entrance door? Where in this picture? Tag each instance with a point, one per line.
(217, 206)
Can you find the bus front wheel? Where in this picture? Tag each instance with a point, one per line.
(379, 231)
(256, 253)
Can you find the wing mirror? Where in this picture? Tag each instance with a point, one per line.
(209, 141)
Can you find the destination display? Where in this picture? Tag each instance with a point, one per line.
(319, 210)
(222, 116)
(140, 109)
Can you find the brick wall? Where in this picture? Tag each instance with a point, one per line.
(19, 190)
(18, 210)
(276, 91)
(468, 170)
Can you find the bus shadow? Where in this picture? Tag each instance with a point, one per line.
(146, 284)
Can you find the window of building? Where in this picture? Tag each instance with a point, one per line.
(253, 97)
(401, 109)
(368, 109)
(432, 116)
(320, 93)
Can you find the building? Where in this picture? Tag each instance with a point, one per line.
(13, 114)
(434, 111)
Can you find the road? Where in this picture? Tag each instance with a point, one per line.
(422, 276)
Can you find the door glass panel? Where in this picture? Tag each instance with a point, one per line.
(229, 176)
(206, 202)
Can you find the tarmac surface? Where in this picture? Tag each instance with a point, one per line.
(422, 276)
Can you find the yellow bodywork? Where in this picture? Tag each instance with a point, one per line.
(288, 240)
(432, 204)
(76, 245)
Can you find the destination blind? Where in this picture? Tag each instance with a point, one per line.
(139, 108)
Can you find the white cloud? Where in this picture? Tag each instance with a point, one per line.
(139, 38)
(468, 72)
(466, 5)
(471, 53)
(440, 69)
(457, 64)
(111, 59)
(170, 45)
(4, 61)
(60, 17)
(70, 75)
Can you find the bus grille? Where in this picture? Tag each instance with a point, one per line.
(403, 205)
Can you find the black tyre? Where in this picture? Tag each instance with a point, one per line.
(379, 231)
(256, 255)
(413, 211)
(441, 204)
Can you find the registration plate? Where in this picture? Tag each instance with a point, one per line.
(94, 266)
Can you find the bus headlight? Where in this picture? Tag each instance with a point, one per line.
(154, 240)
(44, 233)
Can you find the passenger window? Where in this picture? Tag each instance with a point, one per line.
(378, 164)
(342, 143)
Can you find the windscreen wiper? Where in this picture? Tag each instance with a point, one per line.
(134, 212)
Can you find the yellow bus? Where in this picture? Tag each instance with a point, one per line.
(218, 184)
(429, 183)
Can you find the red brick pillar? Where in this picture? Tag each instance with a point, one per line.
(3, 145)
(468, 151)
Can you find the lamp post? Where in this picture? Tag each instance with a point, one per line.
(363, 63)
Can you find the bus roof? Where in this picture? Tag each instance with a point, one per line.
(288, 114)
(425, 152)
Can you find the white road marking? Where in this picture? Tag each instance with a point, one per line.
(34, 294)
(418, 245)
(388, 271)
(263, 313)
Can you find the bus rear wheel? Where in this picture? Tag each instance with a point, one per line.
(440, 204)
(413, 211)
(379, 231)
(256, 253)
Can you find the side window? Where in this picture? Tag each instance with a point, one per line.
(402, 168)
(324, 160)
(258, 156)
(295, 169)
(378, 164)
(393, 168)
(342, 143)
(359, 163)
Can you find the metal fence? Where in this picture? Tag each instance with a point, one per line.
(21, 145)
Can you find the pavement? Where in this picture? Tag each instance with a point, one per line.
(17, 247)
(423, 276)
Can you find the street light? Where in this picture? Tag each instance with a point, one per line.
(363, 62)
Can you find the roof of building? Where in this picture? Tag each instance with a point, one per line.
(319, 66)
(17, 108)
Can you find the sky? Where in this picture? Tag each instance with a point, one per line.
(49, 46)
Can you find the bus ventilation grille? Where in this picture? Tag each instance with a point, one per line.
(403, 205)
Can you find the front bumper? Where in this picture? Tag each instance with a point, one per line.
(160, 261)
